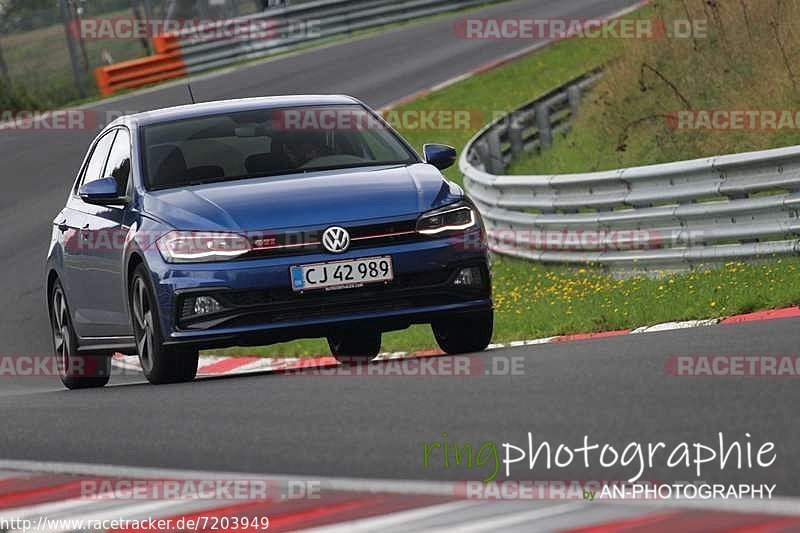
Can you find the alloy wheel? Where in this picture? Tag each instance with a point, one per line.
(144, 328)
(62, 340)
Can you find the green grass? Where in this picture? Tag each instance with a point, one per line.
(739, 66)
(39, 62)
(534, 301)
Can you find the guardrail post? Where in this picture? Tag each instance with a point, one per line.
(482, 150)
(574, 96)
(544, 126)
(515, 128)
(496, 164)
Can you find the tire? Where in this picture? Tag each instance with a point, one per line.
(355, 346)
(75, 371)
(467, 333)
(160, 364)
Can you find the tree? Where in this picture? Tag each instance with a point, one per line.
(3, 67)
(141, 12)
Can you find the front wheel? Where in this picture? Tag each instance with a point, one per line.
(75, 371)
(160, 364)
(467, 333)
(355, 346)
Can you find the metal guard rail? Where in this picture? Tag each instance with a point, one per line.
(662, 217)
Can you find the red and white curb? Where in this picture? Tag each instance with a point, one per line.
(211, 366)
(54, 497)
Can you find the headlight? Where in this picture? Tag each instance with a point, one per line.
(451, 218)
(201, 246)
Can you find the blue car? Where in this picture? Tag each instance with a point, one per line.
(256, 221)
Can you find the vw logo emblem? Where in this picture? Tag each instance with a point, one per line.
(336, 240)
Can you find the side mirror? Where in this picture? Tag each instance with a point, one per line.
(101, 192)
(439, 155)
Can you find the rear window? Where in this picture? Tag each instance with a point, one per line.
(270, 142)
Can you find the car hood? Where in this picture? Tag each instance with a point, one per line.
(304, 200)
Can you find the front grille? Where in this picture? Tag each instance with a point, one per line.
(266, 244)
(238, 299)
(329, 309)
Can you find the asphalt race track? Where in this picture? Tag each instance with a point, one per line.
(614, 390)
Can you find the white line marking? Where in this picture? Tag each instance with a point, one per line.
(45, 509)
(670, 326)
(497, 524)
(382, 523)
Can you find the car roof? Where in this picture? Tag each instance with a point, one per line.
(171, 114)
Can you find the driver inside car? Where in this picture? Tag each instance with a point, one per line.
(302, 148)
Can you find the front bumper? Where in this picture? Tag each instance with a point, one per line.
(261, 308)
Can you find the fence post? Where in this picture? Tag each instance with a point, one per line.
(515, 128)
(574, 96)
(75, 13)
(544, 126)
(148, 9)
(496, 163)
(482, 149)
(141, 12)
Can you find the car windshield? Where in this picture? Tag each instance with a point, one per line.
(268, 142)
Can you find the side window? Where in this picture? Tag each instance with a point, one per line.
(119, 161)
(97, 163)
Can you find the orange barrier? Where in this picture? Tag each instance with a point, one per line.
(165, 44)
(166, 64)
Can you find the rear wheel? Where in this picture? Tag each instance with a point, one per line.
(355, 346)
(160, 364)
(75, 371)
(465, 333)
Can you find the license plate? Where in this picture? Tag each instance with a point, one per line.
(342, 274)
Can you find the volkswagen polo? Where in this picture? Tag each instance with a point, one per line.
(256, 221)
